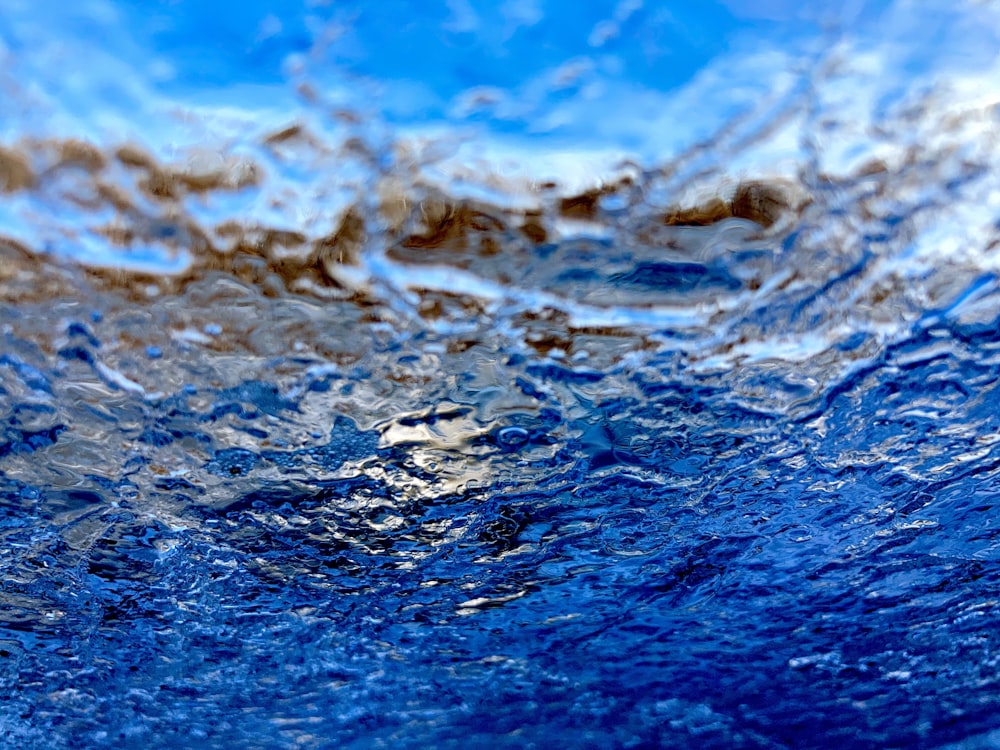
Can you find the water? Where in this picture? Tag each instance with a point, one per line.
(623, 377)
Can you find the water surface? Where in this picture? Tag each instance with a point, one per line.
(499, 377)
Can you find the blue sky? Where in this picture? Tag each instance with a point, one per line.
(499, 63)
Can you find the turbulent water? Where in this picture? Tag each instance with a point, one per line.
(325, 436)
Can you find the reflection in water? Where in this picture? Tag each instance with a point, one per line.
(692, 457)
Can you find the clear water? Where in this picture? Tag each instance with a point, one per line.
(500, 375)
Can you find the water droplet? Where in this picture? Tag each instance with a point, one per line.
(512, 437)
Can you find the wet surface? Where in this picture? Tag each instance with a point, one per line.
(696, 457)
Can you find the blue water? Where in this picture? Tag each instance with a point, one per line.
(499, 375)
